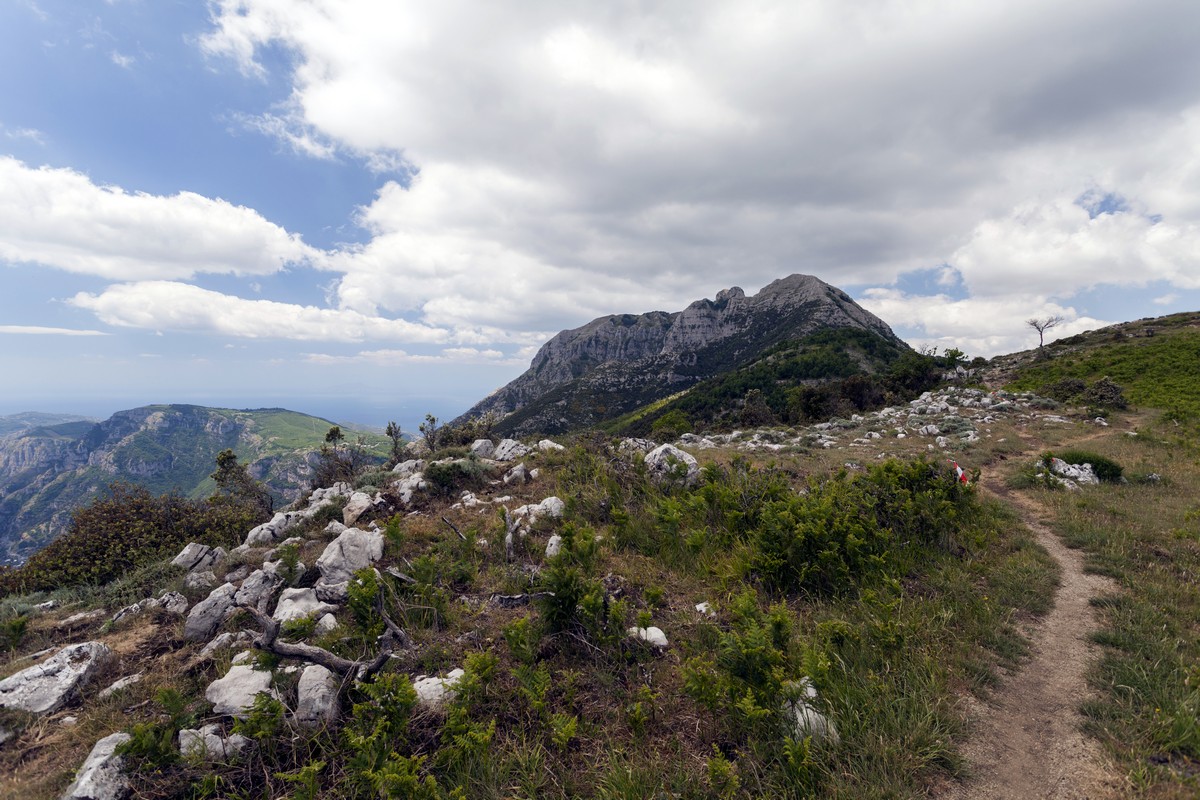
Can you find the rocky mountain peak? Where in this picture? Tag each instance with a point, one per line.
(616, 363)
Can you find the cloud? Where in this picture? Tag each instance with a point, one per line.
(38, 330)
(977, 326)
(60, 218)
(1166, 299)
(174, 306)
(28, 134)
(123, 61)
(450, 355)
(572, 162)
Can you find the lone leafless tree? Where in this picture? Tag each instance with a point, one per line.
(1043, 324)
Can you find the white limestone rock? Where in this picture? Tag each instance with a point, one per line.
(433, 691)
(1082, 474)
(300, 603)
(510, 450)
(102, 775)
(258, 590)
(652, 636)
(316, 696)
(207, 615)
(352, 550)
(632, 445)
(120, 685)
(517, 475)
(804, 719)
(554, 546)
(47, 687)
(546, 445)
(234, 694)
(483, 448)
(195, 556)
(358, 504)
(327, 624)
(201, 579)
(667, 462)
(207, 744)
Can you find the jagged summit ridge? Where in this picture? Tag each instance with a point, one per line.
(618, 362)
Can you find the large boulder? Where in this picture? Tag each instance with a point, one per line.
(510, 450)
(483, 448)
(234, 694)
(316, 696)
(102, 775)
(47, 687)
(667, 462)
(351, 551)
(207, 615)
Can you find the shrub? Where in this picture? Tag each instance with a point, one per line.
(128, 529)
(451, 477)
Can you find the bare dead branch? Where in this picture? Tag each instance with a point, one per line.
(455, 529)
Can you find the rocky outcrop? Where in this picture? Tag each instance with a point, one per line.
(351, 551)
(47, 687)
(618, 363)
(101, 777)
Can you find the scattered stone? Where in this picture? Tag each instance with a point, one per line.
(234, 694)
(258, 590)
(335, 593)
(551, 507)
(207, 743)
(207, 615)
(47, 687)
(120, 685)
(316, 696)
(351, 551)
(203, 579)
(102, 775)
(546, 445)
(483, 448)
(554, 546)
(47, 605)
(359, 504)
(667, 462)
(705, 608)
(333, 528)
(327, 624)
(433, 691)
(195, 556)
(406, 487)
(516, 475)
(407, 468)
(69, 721)
(652, 636)
(225, 641)
(238, 575)
(300, 603)
(632, 445)
(81, 619)
(1080, 473)
(806, 720)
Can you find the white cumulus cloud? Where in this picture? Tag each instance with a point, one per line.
(60, 218)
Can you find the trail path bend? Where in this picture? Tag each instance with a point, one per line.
(1026, 743)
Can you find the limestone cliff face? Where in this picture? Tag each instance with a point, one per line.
(617, 363)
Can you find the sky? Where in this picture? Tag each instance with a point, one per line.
(374, 209)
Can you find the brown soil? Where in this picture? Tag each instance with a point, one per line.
(1027, 742)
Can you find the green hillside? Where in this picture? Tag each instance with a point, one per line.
(1156, 361)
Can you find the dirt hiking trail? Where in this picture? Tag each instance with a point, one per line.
(1026, 742)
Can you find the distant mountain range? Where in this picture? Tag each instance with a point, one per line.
(616, 364)
(51, 463)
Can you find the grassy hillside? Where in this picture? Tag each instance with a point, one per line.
(1157, 361)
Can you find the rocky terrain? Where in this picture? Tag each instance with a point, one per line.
(618, 363)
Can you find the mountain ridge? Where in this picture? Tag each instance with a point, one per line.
(47, 471)
(618, 362)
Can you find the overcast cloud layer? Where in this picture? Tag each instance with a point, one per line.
(540, 164)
